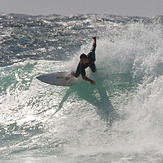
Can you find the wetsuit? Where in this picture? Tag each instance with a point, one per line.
(81, 67)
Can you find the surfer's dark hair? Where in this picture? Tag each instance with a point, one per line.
(83, 56)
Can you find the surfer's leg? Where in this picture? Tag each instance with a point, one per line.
(77, 73)
(93, 67)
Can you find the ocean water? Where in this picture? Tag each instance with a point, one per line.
(119, 120)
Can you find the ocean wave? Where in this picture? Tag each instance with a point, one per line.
(119, 119)
(56, 37)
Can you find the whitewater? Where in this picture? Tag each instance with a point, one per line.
(119, 120)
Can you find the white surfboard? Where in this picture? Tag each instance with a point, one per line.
(57, 78)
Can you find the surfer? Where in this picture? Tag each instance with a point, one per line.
(86, 61)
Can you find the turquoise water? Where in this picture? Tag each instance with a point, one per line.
(117, 120)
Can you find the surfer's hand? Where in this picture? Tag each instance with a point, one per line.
(89, 80)
(92, 82)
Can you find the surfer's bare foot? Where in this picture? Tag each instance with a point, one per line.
(67, 77)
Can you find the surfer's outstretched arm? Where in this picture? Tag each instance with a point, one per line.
(89, 80)
(94, 42)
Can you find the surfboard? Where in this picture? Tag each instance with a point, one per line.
(57, 78)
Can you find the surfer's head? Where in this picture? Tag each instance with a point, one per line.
(84, 59)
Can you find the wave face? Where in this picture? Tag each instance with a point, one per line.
(118, 120)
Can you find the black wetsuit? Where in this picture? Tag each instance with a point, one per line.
(81, 67)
